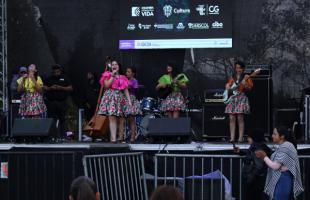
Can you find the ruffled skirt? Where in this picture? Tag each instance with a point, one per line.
(135, 109)
(112, 103)
(174, 102)
(32, 104)
(238, 105)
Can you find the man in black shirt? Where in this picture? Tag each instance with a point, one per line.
(57, 88)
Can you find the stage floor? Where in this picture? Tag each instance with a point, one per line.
(194, 146)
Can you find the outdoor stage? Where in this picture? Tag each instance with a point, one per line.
(45, 170)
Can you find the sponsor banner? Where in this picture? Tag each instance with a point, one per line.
(176, 43)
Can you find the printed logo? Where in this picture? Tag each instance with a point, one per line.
(144, 26)
(163, 26)
(208, 9)
(167, 10)
(180, 26)
(198, 25)
(131, 27)
(135, 11)
(147, 11)
(218, 118)
(216, 24)
(201, 9)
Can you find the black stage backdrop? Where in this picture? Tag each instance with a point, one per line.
(79, 34)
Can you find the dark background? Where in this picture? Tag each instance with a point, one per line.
(79, 34)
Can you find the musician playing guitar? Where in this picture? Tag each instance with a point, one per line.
(238, 104)
(170, 88)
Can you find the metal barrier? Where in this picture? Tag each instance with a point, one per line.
(118, 176)
(202, 176)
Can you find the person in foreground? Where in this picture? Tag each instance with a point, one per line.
(83, 188)
(254, 170)
(283, 177)
(167, 192)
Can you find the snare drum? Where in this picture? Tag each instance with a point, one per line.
(148, 104)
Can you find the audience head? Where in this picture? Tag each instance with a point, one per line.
(83, 188)
(22, 71)
(57, 70)
(282, 134)
(32, 68)
(167, 192)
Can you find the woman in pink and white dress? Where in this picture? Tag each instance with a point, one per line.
(114, 100)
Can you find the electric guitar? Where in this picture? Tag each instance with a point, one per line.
(233, 90)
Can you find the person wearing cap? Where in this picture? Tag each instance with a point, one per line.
(13, 86)
(57, 89)
(30, 85)
(254, 170)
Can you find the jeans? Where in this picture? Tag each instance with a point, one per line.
(284, 187)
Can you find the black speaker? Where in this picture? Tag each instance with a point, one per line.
(169, 127)
(33, 127)
(215, 120)
(260, 98)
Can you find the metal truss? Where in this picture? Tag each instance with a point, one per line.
(3, 57)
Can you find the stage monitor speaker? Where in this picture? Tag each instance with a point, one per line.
(260, 98)
(33, 127)
(169, 127)
(215, 121)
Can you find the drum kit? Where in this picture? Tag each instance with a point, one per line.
(150, 108)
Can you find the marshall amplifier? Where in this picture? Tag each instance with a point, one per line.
(215, 121)
(212, 96)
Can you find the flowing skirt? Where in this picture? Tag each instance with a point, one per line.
(112, 103)
(32, 104)
(135, 109)
(174, 102)
(238, 105)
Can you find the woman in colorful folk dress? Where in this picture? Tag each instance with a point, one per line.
(238, 104)
(283, 178)
(170, 88)
(131, 112)
(30, 85)
(113, 102)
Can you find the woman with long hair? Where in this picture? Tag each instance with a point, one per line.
(174, 103)
(83, 188)
(114, 100)
(30, 85)
(283, 177)
(239, 103)
(131, 112)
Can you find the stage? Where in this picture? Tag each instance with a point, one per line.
(192, 147)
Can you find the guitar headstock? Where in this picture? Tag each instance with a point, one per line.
(256, 71)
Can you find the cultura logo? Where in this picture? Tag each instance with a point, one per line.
(167, 10)
(135, 11)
